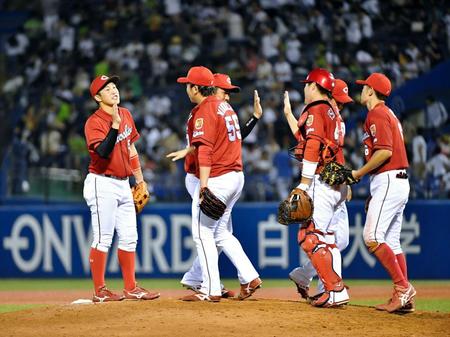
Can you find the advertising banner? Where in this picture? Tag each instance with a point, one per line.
(54, 241)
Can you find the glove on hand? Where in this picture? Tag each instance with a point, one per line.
(297, 208)
(336, 174)
(210, 204)
(140, 196)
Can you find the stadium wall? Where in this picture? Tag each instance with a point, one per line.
(53, 241)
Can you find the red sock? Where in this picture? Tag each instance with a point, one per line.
(401, 259)
(387, 258)
(127, 261)
(97, 260)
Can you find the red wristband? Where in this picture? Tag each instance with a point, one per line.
(135, 163)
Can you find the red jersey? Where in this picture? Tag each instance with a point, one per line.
(190, 165)
(96, 128)
(321, 122)
(340, 129)
(214, 123)
(382, 130)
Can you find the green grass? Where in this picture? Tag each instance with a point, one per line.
(18, 307)
(82, 284)
(439, 305)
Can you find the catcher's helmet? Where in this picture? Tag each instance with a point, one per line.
(322, 77)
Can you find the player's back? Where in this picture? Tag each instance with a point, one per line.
(227, 151)
(216, 125)
(325, 124)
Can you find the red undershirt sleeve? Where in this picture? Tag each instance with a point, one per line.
(205, 155)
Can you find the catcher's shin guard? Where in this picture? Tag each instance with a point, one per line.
(321, 255)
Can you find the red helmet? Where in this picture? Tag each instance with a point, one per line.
(322, 77)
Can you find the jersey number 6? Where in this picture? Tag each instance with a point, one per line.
(234, 130)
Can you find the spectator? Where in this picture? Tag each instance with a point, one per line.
(435, 112)
(419, 150)
(48, 61)
(439, 167)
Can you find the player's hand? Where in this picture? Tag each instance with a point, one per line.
(355, 175)
(257, 109)
(287, 104)
(180, 154)
(116, 117)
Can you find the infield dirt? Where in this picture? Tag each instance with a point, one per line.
(271, 312)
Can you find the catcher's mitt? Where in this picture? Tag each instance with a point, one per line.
(335, 174)
(210, 204)
(297, 208)
(140, 196)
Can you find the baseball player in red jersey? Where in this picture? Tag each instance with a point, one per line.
(338, 231)
(386, 162)
(214, 131)
(110, 135)
(318, 133)
(192, 279)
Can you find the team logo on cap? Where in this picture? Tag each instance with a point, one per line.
(199, 123)
(309, 120)
(373, 130)
(229, 80)
(345, 89)
(104, 77)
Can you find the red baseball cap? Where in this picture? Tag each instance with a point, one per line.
(199, 76)
(379, 82)
(340, 92)
(100, 82)
(223, 81)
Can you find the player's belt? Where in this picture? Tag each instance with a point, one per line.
(114, 177)
(402, 175)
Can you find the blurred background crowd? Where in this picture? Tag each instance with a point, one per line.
(52, 49)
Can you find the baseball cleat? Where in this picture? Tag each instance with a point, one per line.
(103, 294)
(301, 282)
(408, 308)
(301, 289)
(200, 297)
(195, 288)
(226, 293)
(248, 289)
(314, 297)
(331, 299)
(139, 293)
(401, 297)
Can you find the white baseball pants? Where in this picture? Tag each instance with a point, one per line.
(385, 213)
(112, 207)
(209, 235)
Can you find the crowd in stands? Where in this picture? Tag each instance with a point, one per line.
(268, 45)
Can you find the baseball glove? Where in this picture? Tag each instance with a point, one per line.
(335, 174)
(210, 204)
(297, 208)
(140, 196)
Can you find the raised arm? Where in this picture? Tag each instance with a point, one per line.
(257, 113)
(292, 121)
